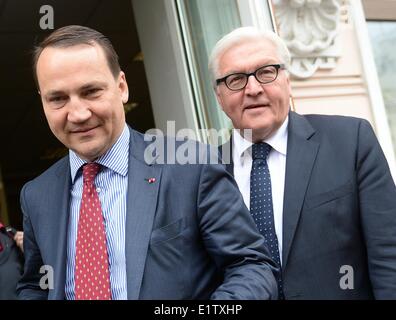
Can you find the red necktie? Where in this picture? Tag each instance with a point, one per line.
(92, 276)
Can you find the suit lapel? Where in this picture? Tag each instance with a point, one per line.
(301, 155)
(141, 206)
(58, 221)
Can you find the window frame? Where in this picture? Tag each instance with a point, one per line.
(362, 12)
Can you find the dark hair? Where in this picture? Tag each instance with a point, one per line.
(75, 35)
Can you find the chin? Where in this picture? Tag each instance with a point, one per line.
(88, 154)
(261, 132)
(258, 126)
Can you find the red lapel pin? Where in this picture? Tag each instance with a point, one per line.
(150, 180)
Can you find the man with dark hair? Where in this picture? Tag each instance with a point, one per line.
(111, 225)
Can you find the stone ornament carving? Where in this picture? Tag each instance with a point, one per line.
(310, 30)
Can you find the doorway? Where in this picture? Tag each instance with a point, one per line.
(28, 147)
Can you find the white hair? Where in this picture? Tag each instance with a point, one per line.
(242, 35)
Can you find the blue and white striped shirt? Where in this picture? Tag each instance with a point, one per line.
(111, 183)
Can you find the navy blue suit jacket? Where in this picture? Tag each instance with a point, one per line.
(339, 211)
(188, 235)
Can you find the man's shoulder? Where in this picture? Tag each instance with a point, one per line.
(336, 126)
(331, 122)
(59, 168)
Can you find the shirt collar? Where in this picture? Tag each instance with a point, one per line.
(116, 158)
(278, 141)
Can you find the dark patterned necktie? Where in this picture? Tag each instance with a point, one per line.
(92, 276)
(261, 203)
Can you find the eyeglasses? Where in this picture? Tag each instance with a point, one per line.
(264, 74)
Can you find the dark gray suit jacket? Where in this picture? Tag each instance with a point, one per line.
(11, 266)
(188, 235)
(339, 210)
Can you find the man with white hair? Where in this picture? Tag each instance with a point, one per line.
(318, 187)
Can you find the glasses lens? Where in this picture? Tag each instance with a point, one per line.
(236, 81)
(266, 74)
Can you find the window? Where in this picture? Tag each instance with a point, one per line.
(383, 41)
(203, 23)
(381, 22)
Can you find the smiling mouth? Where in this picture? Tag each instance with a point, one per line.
(83, 130)
(256, 106)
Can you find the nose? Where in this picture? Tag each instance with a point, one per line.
(78, 111)
(253, 87)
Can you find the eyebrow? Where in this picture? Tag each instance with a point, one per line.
(87, 86)
(93, 85)
(53, 93)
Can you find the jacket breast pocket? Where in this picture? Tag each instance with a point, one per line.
(328, 196)
(168, 232)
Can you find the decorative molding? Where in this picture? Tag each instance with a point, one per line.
(310, 30)
(345, 12)
(329, 87)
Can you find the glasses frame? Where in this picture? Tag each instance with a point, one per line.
(277, 66)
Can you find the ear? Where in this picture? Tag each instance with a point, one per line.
(41, 97)
(123, 87)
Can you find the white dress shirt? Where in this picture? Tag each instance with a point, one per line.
(242, 158)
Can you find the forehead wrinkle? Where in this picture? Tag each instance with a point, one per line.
(251, 69)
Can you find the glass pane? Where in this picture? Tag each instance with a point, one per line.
(204, 22)
(383, 41)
